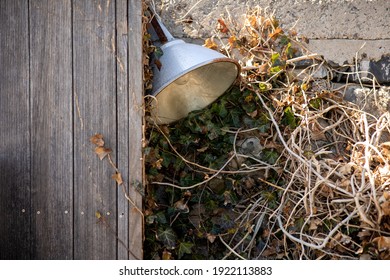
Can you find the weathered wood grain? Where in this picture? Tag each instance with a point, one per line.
(135, 129)
(14, 131)
(70, 69)
(94, 76)
(51, 129)
(123, 125)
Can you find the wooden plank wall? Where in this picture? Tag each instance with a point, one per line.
(70, 69)
(15, 153)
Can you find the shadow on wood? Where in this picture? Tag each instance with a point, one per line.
(64, 77)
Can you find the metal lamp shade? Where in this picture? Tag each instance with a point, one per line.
(189, 77)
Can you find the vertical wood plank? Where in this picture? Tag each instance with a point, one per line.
(135, 34)
(123, 126)
(95, 112)
(14, 131)
(51, 135)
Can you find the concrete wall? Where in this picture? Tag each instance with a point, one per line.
(336, 29)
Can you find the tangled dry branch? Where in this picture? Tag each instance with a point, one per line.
(333, 166)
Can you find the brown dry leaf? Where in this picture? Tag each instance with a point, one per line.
(343, 239)
(232, 41)
(364, 234)
(249, 182)
(365, 257)
(253, 21)
(314, 223)
(339, 241)
(277, 103)
(304, 39)
(211, 237)
(148, 212)
(378, 159)
(280, 256)
(345, 183)
(209, 43)
(166, 255)
(102, 152)
(158, 64)
(187, 195)
(274, 145)
(118, 178)
(268, 22)
(181, 206)
(383, 242)
(318, 136)
(195, 216)
(188, 20)
(293, 32)
(385, 150)
(326, 191)
(345, 169)
(236, 162)
(276, 33)
(266, 233)
(97, 139)
(228, 198)
(157, 163)
(264, 69)
(165, 129)
(222, 26)
(98, 215)
(269, 252)
(386, 208)
(201, 150)
(253, 114)
(384, 171)
(317, 132)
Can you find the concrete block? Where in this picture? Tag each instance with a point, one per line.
(380, 69)
(316, 19)
(336, 29)
(344, 51)
(375, 101)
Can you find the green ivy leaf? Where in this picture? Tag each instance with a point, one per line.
(160, 217)
(289, 118)
(178, 164)
(284, 40)
(315, 103)
(166, 159)
(263, 86)
(167, 236)
(220, 108)
(158, 52)
(275, 70)
(235, 116)
(270, 156)
(185, 248)
(150, 219)
(277, 63)
(153, 171)
(289, 51)
(188, 180)
(275, 58)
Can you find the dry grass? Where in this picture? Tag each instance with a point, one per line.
(334, 166)
(335, 163)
